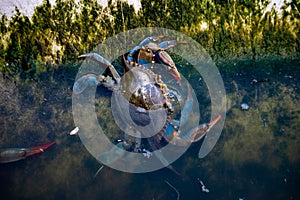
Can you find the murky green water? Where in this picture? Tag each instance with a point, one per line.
(257, 156)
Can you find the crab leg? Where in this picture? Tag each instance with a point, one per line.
(172, 135)
(169, 44)
(194, 135)
(91, 79)
(159, 155)
(102, 61)
(95, 57)
(150, 39)
(146, 41)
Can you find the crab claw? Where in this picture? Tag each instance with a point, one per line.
(96, 57)
(15, 154)
(194, 135)
(165, 58)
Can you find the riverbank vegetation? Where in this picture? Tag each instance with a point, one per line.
(235, 29)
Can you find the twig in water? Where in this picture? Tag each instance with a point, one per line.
(98, 171)
(178, 195)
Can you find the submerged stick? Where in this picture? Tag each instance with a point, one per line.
(178, 195)
(98, 171)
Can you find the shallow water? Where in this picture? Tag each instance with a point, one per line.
(256, 157)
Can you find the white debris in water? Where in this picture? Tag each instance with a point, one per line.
(203, 187)
(288, 76)
(74, 131)
(245, 106)
(147, 153)
(254, 81)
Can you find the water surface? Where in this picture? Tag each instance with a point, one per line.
(257, 156)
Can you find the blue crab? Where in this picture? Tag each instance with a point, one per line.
(145, 91)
